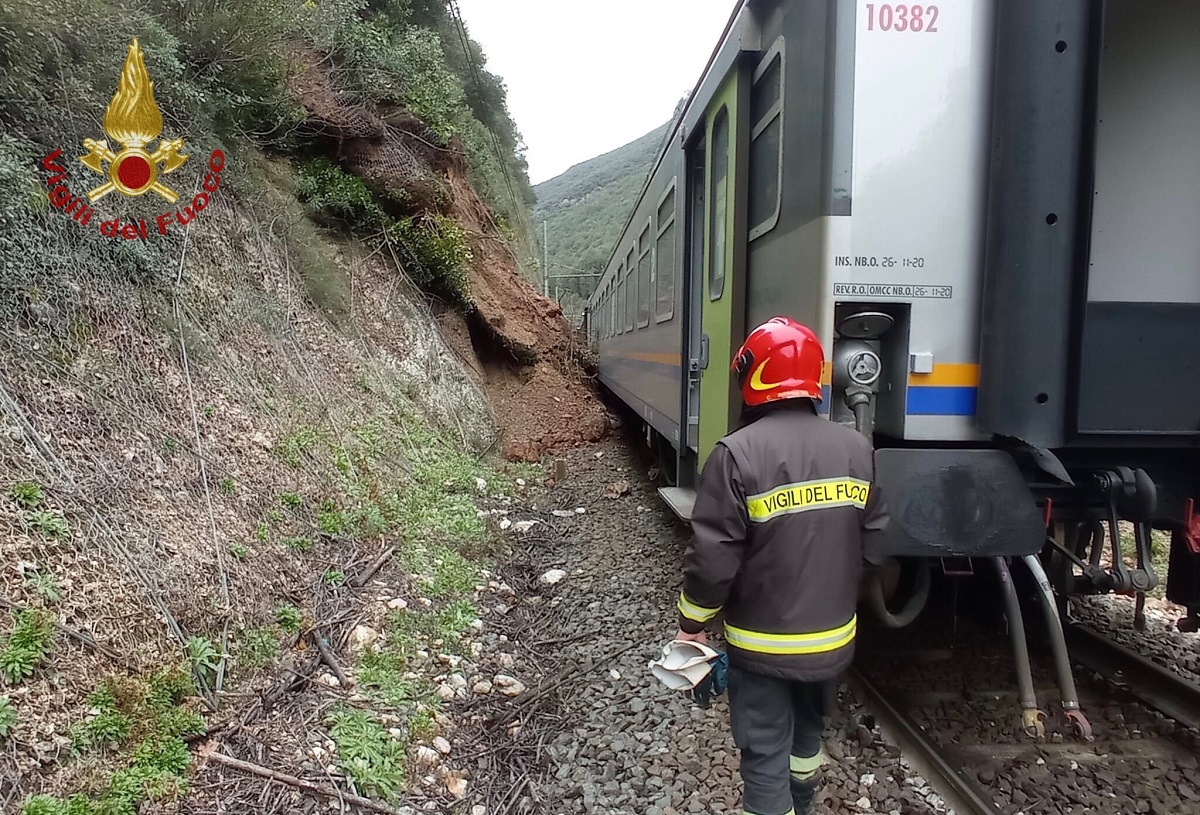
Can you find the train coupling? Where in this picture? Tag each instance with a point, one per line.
(1133, 496)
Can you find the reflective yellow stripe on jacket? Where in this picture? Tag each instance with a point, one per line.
(807, 495)
(694, 612)
(818, 642)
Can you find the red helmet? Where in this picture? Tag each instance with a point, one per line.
(781, 359)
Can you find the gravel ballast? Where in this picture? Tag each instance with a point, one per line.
(615, 740)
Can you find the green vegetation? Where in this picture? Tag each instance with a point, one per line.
(204, 658)
(8, 717)
(587, 206)
(259, 647)
(221, 71)
(226, 486)
(239, 551)
(149, 715)
(27, 494)
(436, 243)
(25, 648)
(368, 753)
(45, 585)
(288, 618)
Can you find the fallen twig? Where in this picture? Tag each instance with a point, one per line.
(309, 787)
(328, 658)
(374, 568)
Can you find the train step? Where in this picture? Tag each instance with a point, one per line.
(680, 500)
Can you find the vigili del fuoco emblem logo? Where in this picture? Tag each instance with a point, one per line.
(132, 121)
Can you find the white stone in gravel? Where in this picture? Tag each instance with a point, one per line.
(479, 809)
(525, 526)
(457, 681)
(482, 687)
(508, 685)
(553, 576)
(456, 786)
(562, 513)
(863, 803)
(506, 660)
(867, 780)
(396, 733)
(442, 745)
(481, 485)
(449, 659)
(397, 603)
(362, 638)
(505, 524)
(427, 756)
(329, 680)
(580, 510)
(520, 483)
(476, 626)
(445, 693)
(614, 674)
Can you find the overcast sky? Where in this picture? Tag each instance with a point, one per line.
(587, 76)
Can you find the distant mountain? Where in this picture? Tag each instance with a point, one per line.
(586, 207)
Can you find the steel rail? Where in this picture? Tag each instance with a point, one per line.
(960, 793)
(1159, 687)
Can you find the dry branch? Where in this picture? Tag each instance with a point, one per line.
(374, 568)
(329, 659)
(308, 787)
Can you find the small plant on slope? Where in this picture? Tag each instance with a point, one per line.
(8, 717)
(27, 494)
(26, 648)
(368, 753)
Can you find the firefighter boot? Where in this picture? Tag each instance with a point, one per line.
(804, 794)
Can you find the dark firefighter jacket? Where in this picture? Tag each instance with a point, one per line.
(781, 513)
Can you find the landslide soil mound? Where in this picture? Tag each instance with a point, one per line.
(517, 343)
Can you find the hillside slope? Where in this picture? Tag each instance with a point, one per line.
(229, 450)
(586, 207)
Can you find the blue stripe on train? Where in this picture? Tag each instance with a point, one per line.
(941, 401)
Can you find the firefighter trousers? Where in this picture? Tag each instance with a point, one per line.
(777, 726)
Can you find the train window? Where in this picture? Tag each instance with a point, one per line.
(622, 293)
(645, 276)
(718, 203)
(664, 258)
(630, 289)
(766, 142)
(608, 307)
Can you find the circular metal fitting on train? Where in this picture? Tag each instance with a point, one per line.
(866, 325)
(864, 367)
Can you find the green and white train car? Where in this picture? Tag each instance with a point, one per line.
(989, 212)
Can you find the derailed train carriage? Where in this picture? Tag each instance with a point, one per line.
(990, 212)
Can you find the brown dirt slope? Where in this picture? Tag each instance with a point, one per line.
(520, 344)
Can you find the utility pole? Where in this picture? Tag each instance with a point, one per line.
(545, 259)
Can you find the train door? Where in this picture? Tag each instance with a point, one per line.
(697, 183)
(722, 275)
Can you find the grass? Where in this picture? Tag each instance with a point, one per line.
(8, 717)
(227, 486)
(27, 494)
(25, 648)
(259, 647)
(288, 618)
(146, 721)
(368, 753)
(45, 585)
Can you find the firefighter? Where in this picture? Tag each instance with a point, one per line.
(782, 511)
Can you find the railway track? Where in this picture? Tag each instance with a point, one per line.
(952, 709)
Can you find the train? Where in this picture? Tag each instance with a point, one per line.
(990, 213)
